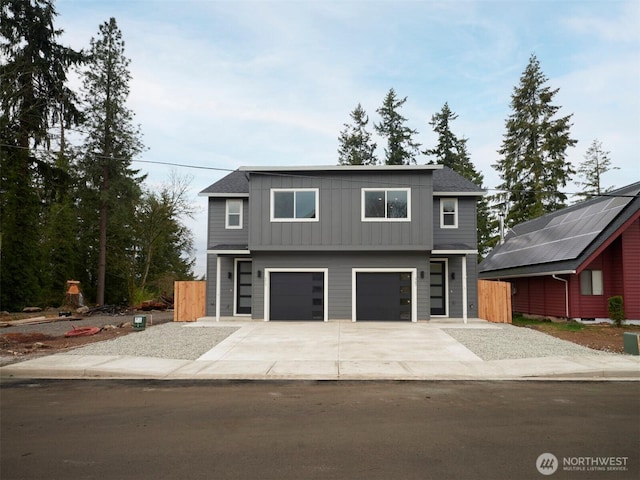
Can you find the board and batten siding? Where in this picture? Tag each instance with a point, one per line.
(340, 222)
(339, 282)
(217, 233)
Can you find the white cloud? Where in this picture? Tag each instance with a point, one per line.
(612, 25)
(226, 84)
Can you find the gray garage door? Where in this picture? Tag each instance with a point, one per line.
(383, 296)
(296, 296)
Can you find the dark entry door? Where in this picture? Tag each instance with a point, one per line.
(296, 296)
(438, 287)
(383, 296)
(244, 287)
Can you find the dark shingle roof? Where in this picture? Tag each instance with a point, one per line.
(563, 238)
(236, 182)
(444, 180)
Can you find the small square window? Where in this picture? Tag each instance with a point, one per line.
(591, 282)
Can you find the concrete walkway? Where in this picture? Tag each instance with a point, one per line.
(333, 351)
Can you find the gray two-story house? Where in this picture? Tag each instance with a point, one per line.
(387, 243)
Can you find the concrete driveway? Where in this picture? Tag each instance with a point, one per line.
(338, 350)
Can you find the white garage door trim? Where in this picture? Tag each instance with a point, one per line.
(414, 288)
(267, 287)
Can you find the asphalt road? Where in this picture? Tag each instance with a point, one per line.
(317, 430)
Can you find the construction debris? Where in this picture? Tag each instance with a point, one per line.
(108, 310)
(31, 309)
(82, 331)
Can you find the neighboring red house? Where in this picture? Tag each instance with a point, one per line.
(568, 263)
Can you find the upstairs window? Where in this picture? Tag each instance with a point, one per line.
(386, 204)
(448, 213)
(591, 282)
(294, 205)
(233, 214)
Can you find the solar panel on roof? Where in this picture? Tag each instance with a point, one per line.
(556, 237)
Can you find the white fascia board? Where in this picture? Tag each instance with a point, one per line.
(340, 168)
(454, 252)
(540, 274)
(460, 194)
(224, 195)
(228, 252)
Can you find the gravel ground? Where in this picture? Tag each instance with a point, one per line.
(174, 341)
(511, 342)
(171, 340)
(60, 327)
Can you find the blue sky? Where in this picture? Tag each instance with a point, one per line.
(224, 84)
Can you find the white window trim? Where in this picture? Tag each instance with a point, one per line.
(446, 286)
(236, 261)
(272, 206)
(414, 288)
(267, 288)
(442, 213)
(226, 214)
(385, 219)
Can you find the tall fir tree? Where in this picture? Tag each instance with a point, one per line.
(112, 187)
(533, 166)
(355, 144)
(401, 149)
(451, 151)
(34, 97)
(597, 162)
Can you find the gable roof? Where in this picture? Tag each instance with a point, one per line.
(448, 182)
(445, 180)
(236, 184)
(561, 241)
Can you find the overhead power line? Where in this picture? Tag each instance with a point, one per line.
(282, 174)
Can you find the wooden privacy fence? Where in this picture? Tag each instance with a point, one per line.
(494, 301)
(188, 301)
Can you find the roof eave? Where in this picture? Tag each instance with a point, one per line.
(338, 168)
(497, 276)
(478, 193)
(223, 195)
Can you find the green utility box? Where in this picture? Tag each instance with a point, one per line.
(631, 342)
(139, 322)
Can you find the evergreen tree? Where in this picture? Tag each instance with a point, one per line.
(112, 187)
(355, 145)
(533, 165)
(596, 164)
(452, 152)
(400, 149)
(59, 227)
(34, 97)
